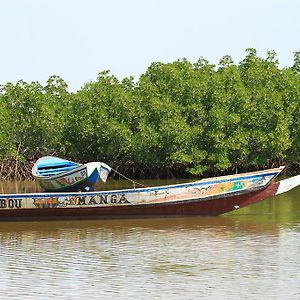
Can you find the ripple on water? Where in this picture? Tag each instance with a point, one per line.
(248, 254)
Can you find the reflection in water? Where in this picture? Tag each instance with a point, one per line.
(174, 258)
(248, 254)
(15, 187)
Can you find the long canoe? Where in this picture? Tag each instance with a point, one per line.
(213, 196)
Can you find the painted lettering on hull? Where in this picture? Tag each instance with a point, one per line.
(80, 201)
(10, 203)
(94, 200)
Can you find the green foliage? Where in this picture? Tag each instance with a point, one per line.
(296, 66)
(7, 145)
(35, 117)
(178, 117)
(102, 121)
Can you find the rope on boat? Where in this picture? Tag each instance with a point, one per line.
(129, 179)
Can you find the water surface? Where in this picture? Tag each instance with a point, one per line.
(253, 253)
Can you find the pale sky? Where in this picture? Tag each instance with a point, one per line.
(77, 39)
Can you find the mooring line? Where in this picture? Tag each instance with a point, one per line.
(129, 179)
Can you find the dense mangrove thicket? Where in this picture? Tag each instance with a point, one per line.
(179, 118)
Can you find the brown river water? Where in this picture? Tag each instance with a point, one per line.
(252, 253)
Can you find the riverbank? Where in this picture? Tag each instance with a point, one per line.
(16, 170)
(13, 169)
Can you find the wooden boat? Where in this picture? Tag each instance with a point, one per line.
(212, 196)
(57, 174)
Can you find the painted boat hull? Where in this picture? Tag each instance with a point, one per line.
(80, 178)
(54, 174)
(206, 197)
(213, 207)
